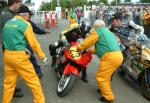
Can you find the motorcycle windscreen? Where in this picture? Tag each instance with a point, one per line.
(71, 69)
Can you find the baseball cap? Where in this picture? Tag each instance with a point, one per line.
(24, 9)
(115, 16)
(10, 2)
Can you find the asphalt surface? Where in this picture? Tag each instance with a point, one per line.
(124, 90)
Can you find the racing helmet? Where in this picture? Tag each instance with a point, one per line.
(84, 27)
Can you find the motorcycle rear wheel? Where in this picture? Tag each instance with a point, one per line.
(65, 84)
(145, 87)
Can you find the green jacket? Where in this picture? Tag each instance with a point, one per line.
(5, 15)
(107, 42)
(17, 33)
(13, 35)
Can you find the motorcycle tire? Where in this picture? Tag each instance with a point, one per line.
(145, 88)
(68, 85)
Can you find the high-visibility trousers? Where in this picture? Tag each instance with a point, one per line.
(47, 24)
(54, 23)
(17, 63)
(108, 64)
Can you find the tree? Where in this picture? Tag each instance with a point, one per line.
(114, 2)
(90, 3)
(48, 6)
(145, 1)
(80, 2)
(3, 4)
(27, 1)
(63, 4)
(127, 1)
(103, 1)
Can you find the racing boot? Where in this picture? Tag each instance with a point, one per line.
(53, 61)
(18, 93)
(84, 76)
(99, 91)
(17, 89)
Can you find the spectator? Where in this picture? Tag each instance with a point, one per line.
(146, 18)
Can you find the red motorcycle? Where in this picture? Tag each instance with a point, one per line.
(69, 61)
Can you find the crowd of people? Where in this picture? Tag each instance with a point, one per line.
(139, 14)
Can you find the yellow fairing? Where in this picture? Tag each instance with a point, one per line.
(17, 63)
(108, 64)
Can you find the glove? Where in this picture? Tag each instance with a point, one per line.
(93, 51)
(45, 61)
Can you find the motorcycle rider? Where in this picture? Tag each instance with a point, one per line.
(124, 29)
(72, 34)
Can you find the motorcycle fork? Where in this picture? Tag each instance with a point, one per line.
(63, 79)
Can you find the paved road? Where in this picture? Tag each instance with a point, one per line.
(82, 93)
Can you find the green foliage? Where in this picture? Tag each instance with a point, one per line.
(28, 1)
(127, 1)
(113, 3)
(48, 6)
(103, 1)
(3, 4)
(90, 3)
(145, 1)
(80, 2)
(63, 4)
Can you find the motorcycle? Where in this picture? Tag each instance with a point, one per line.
(68, 61)
(136, 64)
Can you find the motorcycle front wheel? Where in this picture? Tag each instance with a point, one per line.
(65, 84)
(145, 87)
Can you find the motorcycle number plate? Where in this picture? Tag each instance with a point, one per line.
(75, 53)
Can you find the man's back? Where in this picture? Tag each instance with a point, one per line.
(6, 15)
(13, 34)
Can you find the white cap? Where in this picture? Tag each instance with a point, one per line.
(99, 23)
